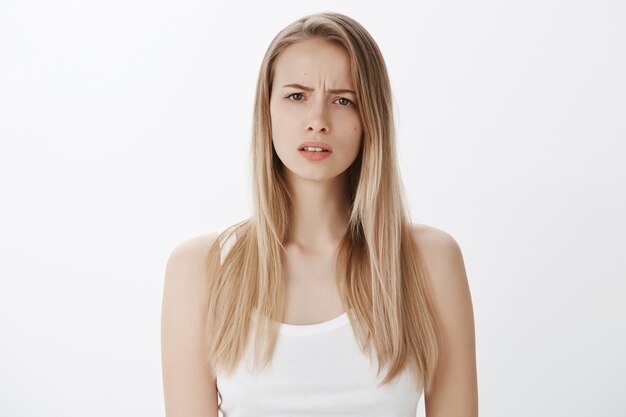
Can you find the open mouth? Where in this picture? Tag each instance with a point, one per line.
(313, 149)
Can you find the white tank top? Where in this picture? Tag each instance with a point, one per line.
(316, 370)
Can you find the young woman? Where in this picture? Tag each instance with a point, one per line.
(328, 301)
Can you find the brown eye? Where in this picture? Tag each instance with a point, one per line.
(295, 94)
(346, 101)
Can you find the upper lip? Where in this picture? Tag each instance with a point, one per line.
(316, 144)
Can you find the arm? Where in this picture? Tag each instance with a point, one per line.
(188, 383)
(455, 389)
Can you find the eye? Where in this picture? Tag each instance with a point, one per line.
(294, 94)
(348, 102)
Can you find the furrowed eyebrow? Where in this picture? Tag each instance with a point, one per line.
(305, 88)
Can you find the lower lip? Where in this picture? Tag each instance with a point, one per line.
(315, 156)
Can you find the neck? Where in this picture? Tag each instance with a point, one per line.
(319, 214)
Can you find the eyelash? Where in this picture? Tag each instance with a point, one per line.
(350, 102)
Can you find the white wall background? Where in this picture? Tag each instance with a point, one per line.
(125, 127)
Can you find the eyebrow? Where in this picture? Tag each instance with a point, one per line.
(305, 88)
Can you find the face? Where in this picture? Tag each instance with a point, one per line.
(313, 99)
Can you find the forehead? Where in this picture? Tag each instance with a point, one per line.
(313, 61)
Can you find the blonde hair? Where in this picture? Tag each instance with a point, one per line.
(380, 274)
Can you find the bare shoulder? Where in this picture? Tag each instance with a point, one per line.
(454, 391)
(193, 247)
(188, 381)
(443, 259)
(440, 251)
(186, 268)
(432, 238)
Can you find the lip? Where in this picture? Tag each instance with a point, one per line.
(315, 156)
(316, 144)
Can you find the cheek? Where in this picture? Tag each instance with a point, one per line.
(355, 135)
(357, 131)
(278, 127)
(273, 116)
(279, 117)
(275, 120)
(276, 112)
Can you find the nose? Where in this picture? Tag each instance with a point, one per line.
(317, 120)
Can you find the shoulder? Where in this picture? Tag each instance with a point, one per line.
(193, 251)
(439, 250)
(185, 270)
(443, 259)
(188, 381)
(429, 237)
(456, 371)
(442, 256)
(193, 247)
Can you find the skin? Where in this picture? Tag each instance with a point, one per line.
(320, 205)
(319, 219)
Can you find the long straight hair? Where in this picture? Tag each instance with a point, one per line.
(380, 273)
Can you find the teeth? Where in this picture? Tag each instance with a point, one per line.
(312, 149)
